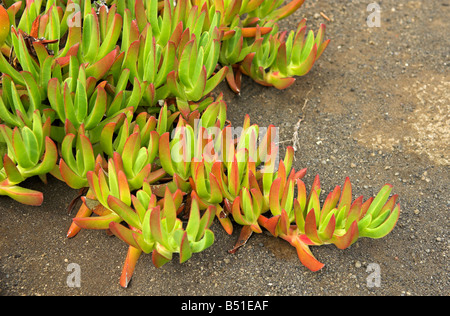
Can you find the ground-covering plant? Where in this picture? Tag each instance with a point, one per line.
(113, 97)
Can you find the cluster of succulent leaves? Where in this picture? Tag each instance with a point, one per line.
(101, 94)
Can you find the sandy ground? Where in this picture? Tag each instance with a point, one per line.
(375, 108)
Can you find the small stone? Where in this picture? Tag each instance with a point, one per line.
(416, 212)
(357, 264)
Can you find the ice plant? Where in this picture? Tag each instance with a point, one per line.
(10, 177)
(36, 44)
(73, 168)
(338, 221)
(256, 11)
(153, 227)
(264, 190)
(175, 54)
(209, 113)
(242, 155)
(79, 106)
(276, 60)
(230, 173)
(17, 109)
(31, 147)
(255, 47)
(206, 187)
(136, 151)
(4, 25)
(27, 152)
(188, 143)
(105, 182)
(117, 100)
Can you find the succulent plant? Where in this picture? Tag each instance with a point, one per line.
(4, 25)
(103, 183)
(10, 177)
(187, 58)
(206, 188)
(153, 227)
(277, 186)
(188, 143)
(136, 152)
(36, 44)
(73, 168)
(339, 221)
(172, 50)
(277, 59)
(9, 187)
(31, 147)
(265, 190)
(117, 100)
(17, 107)
(27, 152)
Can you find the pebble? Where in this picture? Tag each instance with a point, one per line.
(357, 264)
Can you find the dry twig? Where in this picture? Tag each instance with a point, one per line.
(325, 17)
(295, 140)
